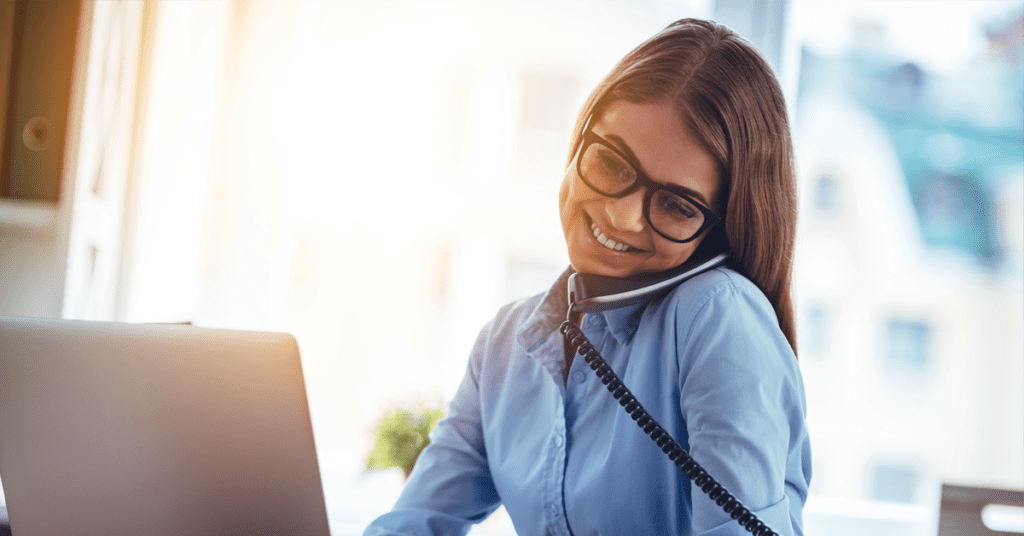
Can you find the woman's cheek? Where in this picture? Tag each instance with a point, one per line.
(567, 197)
(563, 192)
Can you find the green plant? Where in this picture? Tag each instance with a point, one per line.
(400, 437)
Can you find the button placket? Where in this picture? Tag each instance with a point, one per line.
(553, 495)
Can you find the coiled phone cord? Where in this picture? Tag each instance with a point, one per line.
(575, 337)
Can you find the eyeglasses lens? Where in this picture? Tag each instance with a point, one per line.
(675, 215)
(606, 171)
(609, 174)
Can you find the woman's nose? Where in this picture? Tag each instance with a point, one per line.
(626, 213)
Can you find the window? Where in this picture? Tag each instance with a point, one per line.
(894, 483)
(907, 344)
(955, 210)
(816, 331)
(826, 197)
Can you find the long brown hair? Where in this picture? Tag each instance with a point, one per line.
(731, 101)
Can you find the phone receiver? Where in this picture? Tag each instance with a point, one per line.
(589, 293)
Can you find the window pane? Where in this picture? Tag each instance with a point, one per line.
(816, 331)
(907, 343)
(894, 483)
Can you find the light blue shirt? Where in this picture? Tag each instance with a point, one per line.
(709, 363)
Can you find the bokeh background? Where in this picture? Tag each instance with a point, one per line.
(377, 177)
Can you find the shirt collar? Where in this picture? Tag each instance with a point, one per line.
(623, 322)
(551, 312)
(548, 315)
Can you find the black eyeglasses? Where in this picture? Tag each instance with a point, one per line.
(669, 209)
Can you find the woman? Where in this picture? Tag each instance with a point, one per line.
(688, 129)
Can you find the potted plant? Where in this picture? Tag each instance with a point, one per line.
(400, 437)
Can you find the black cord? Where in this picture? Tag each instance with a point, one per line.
(575, 337)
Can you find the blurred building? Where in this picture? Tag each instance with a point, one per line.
(909, 277)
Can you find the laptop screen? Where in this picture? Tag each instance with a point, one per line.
(154, 429)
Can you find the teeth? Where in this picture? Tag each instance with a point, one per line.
(605, 241)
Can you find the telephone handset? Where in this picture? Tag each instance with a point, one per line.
(589, 293)
(592, 293)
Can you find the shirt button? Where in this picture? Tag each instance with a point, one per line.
(558, 441)
(593, 321)
(579, 376)
(552, 510)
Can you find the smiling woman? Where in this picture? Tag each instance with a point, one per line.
(680, 155)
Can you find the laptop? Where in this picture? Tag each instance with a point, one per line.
(112, 428)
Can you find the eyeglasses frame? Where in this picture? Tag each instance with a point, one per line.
(643, 181)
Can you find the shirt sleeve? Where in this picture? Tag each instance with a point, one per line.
(450, 486)
(742, 399)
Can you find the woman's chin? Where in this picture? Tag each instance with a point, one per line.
(611, 264)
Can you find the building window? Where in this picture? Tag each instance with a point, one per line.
(826, 197)
(816, 331)
(955, 210)
(546, 120)
(894, 483)
(907, 343)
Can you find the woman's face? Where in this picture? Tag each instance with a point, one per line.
(667, 153)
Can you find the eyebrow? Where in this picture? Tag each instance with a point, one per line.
(622, 146)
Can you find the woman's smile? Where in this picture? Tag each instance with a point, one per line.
(609, 243)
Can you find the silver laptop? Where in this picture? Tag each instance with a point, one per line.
(109, 428)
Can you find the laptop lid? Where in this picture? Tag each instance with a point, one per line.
(110, 428)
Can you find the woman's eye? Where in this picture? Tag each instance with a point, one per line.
(678, 207)
(614, 167)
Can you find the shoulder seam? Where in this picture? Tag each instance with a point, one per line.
(715, 290)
